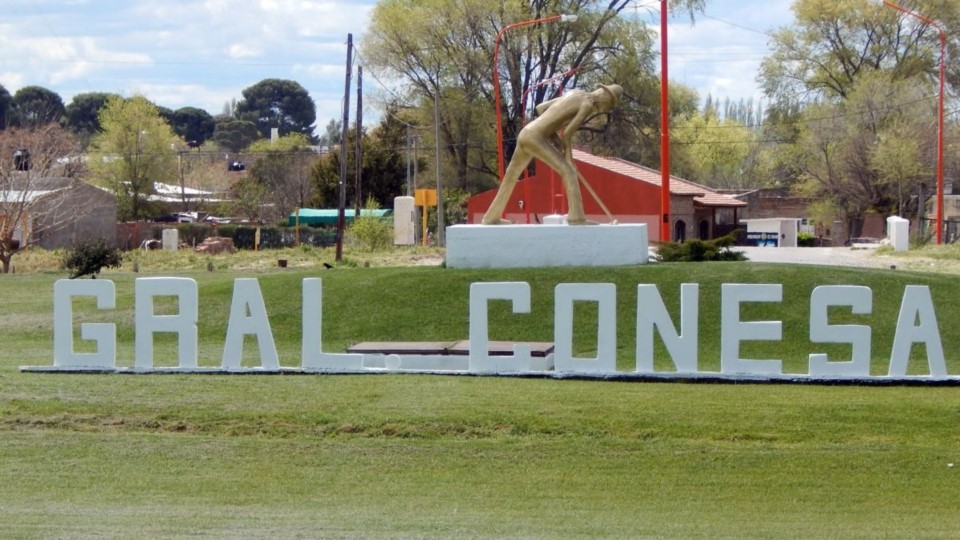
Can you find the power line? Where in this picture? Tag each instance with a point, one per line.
(735, 25)
(391, 92)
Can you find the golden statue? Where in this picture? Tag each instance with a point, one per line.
(559, 118)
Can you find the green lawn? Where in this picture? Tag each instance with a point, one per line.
(410, 456)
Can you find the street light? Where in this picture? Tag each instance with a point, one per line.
(943, 56)
(496, 75)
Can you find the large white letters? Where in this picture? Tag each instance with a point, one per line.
(652, 313)
(311, 346)
(605, 295)
(104, 334)
(917, 307)
(860, 300)
(184, 323)
(916, 325)
(248, 315)
(733, 330)
(518, 293)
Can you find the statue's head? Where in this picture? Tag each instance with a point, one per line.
(611, 93)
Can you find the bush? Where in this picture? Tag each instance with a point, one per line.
(718, 249)
(805, 239)
(193, 234)
(370, 232)
(88, 257)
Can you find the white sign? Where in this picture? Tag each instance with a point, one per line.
(915, 325)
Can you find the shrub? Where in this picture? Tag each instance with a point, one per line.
(371, 232)
(88, 257)
(718, 249)
(805, 239)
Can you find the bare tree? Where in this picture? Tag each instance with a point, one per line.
(283, 168)
(40, 192)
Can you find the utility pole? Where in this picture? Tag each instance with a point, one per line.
(409, 185)
(416, 172)
(436, 125)
(341, 220)
(359, 153)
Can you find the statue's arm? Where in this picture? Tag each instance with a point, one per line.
(583, 113)
(546, 105)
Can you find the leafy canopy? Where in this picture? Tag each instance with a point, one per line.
(135, 149)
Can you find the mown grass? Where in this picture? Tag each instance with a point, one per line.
(408, 456)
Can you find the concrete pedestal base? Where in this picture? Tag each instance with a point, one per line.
(535, 246)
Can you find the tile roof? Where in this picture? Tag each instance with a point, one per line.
(678, 186)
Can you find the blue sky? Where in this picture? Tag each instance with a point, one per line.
(202, 53)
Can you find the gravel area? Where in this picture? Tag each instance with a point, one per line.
(831, 256)
(862, 256)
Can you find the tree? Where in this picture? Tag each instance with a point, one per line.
(631, 131)
(235, 135)
(850, 84)
(383, 172)
(249, 196)
(166, 113)
(6, 105)
(384, 166)
(278, 103)
(332, 133)
(442, 49)
(25, 210)
(135, 149)
(866, 152)
(833, 43)
(193, 125)
(37, 106)
(719, 153)
(283, 168)
(202, 168)
(82, 115)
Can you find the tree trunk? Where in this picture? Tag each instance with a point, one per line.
(5, 258)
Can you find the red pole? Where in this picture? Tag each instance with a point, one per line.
(943, 56)
(943, 60)
(664, 130)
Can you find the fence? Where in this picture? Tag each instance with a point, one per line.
(133, 235)
(951, 230)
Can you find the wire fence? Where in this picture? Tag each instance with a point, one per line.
(951, 230)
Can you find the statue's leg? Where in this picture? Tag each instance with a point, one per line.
(518, 163)
(568, 173)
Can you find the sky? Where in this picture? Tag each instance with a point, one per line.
(203, 53)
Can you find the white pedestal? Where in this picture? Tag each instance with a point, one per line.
(534, 246)
(898, 231)
(171, 239)
(404, 221)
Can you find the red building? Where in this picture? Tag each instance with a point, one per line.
(631, 192)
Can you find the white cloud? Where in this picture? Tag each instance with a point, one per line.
(204, 52)
(242, 50)
(721, 53)
(11, 81)
(176, 96)
(320, 70)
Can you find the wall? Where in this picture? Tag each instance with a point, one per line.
(773, 203)
(77, 212)
(629, 200)
(682, 209)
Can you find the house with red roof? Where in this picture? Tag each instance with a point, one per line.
(630, 192)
